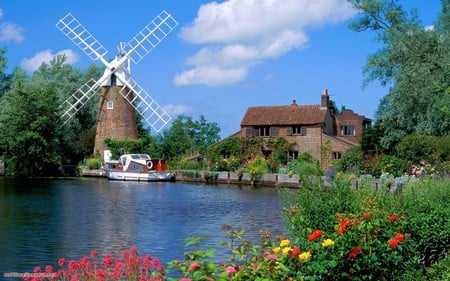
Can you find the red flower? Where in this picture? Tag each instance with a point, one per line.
(345, 223)
(94, 253)
(399, 237)
(61, 262)
(296, 251)
(108, 260)
(393, 243)
(354, 253)
(314, 235)
(367, 215)
(393, 217)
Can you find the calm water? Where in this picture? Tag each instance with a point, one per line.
(42, 221)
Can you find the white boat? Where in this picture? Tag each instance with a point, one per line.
(138, 167)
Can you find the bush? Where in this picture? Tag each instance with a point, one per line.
(426, 207)
(257, 167)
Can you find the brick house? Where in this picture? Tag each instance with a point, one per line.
(313, 128)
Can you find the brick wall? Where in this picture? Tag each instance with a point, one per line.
(116, 123)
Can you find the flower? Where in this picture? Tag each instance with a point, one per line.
(345, 223)
(230, 270)
(284, 243)
(392, 217)
(393, 243)
(399, 237)
(354, 252)
(296, 251)
(286, 250)
(276, 250)
(94, 253)
(61, 262)
(314, 235)
(366, 215)
(327, 243)
(194, 266)
(185, 279)
(271, 257)
(305, 255)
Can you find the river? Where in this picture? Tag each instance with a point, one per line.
(44, 220)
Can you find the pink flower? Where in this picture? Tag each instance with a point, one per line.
(185, 279)
(271, 257)
(194, 266)
(94, 253)
(61, 262)
(230, 270)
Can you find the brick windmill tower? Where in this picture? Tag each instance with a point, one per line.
(120, 96)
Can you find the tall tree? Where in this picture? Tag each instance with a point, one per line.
(414, 63)
(4, 78)
(29, 122)
(188, 136)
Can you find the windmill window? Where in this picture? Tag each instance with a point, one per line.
(110, 105)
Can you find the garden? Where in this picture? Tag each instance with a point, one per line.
(333, 233)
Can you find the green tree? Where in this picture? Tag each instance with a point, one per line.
(414, 63)
(188, 136)
(4, 78)
(29, 122)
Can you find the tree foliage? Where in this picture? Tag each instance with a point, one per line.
(29, 128)
(188, 136)
(414, 62)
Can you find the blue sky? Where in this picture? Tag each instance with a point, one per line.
(223, 57)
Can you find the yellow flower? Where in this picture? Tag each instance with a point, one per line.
(276, 250)
(305, 255)
(284, 243)
(327, 243)
(286, 250)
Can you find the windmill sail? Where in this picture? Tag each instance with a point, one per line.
(149, 37)
(145, 105)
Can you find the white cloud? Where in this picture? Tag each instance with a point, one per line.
(429, 27)
(177, 109)
(10, 32)
(32, 64)
(241, 33)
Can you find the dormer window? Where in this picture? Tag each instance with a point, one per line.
(348, 130)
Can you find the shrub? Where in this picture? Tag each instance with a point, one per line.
(257, 167)
(93, 163)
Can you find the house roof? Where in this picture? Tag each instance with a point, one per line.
(284, 115)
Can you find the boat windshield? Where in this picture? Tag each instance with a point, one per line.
(139, 156)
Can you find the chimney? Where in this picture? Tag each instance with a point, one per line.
(325, 99)
(294, 102)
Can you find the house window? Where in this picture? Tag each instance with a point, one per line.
(336, 155)
(263, 131)
(292, 155)
(110, 105)
(348, 130)
(299, 130)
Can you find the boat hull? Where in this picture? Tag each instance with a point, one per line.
(135, 176)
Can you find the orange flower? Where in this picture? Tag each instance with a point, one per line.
(393, 217)
(366, 215)
(354, 253)
(393, 243)
(399, 237)
(296, 251)
(345, 223)
(314, 235)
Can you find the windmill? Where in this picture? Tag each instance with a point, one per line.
(120, 95)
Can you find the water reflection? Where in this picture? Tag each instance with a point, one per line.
(41, 221)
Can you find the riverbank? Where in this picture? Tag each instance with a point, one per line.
(269, 180)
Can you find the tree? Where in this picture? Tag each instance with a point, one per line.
(414, 63)
(29, 122)
(4, 78)
(187, 136)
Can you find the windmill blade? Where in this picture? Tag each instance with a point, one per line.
(79, 35)
(150, 36)
(145, 105)
(78, 99)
